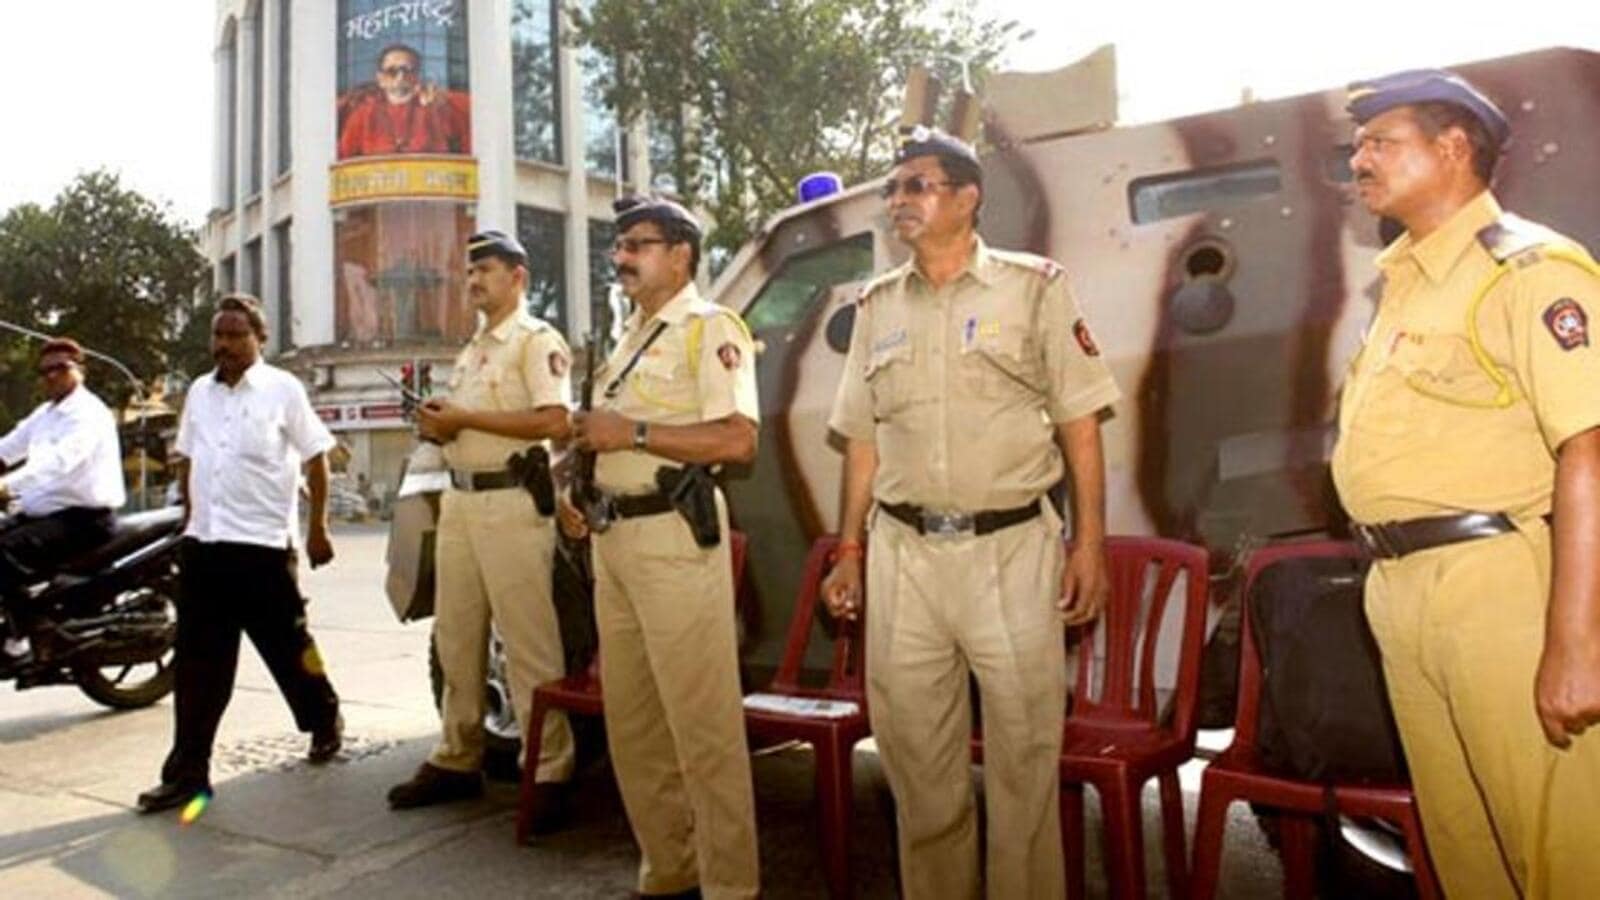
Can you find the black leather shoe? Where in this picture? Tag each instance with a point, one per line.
(433, 785)
(691, 894)
(326, 742)
(550, 812)
(168, 795)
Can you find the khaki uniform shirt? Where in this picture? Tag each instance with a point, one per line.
(960, 386)
(520, 364)
(701, 369)
(1424, 427)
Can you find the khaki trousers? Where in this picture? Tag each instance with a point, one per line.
(1461, 629)
(493, 557)
(674, 713)
(939, 609)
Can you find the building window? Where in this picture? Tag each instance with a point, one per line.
(400, 273)
(285, 144)
(252, 125)
(252, 268)
(226, 276)
(543, 234)
(283, 246)
(599, 120)
(227, 89)
(535, 80)
(604, 316)
(403, 78)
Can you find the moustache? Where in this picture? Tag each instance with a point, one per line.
(627, 270)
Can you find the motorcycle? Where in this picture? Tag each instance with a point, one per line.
(106, 620)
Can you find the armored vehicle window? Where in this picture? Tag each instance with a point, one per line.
(806, 276)
(1173, 194)
(1337, 167)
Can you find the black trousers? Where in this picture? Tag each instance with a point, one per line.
(32, 546)
(227, 590)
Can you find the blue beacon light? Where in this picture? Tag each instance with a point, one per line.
(818, 185)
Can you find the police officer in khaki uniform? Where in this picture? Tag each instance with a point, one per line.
(1467, 419)
(509, 392)
(971, 377)
(678, 389)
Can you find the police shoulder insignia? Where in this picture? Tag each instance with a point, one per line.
(729, 355)
(558, 363)
(1568, 323)
(1080, 330)
(1512, 236)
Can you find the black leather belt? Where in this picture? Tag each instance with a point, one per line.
(631, 506)
(1392, 540)
(483, 481)
(928, 521)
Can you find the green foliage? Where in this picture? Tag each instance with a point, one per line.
(108, 267)
(755, 94)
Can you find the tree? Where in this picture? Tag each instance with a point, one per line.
(755, 94)
(108, 267)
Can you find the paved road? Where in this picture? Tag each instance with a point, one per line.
(69, 772)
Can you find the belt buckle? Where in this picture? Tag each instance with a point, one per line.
(946, 524)
(1375, 541)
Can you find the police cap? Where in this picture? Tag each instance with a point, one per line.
(489, 243)
(1379, 95)
(633, 209)
(960, 161)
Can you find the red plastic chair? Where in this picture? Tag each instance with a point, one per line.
(580, 693)
(833, 739)
(1118, 736)
(1237, 774)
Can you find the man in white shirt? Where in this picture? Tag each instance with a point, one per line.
(247, 431)
(67, 487)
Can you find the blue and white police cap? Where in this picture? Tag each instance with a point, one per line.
(961, 159)
(632, 210)
(1367, 99)
(495, 243)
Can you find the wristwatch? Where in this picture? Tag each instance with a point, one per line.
(641, 433)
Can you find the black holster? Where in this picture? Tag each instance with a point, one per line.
(532, 469)
(693, 493)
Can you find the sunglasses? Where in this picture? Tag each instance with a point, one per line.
(397, 71)
(634, 245)
(53, 368)
(913, 185)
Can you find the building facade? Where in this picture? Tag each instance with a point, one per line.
(359, 142)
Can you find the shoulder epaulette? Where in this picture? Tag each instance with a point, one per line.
(1510, 237)
(1042, 265)
(880, 281)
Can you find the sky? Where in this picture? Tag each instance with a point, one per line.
(127, 84)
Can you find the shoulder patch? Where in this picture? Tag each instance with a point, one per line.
(1080, 330)
(1568, 323)
(1513, 236)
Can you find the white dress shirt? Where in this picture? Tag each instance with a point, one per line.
(73, 457)
(245, 446)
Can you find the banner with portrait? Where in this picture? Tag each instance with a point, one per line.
(402, 78)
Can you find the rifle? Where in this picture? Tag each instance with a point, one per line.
(595, 505)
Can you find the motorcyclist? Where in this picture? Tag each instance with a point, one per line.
(67, 487)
